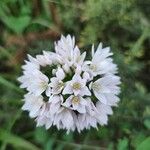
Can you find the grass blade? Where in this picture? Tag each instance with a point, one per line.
(16, 141)
(10, 85)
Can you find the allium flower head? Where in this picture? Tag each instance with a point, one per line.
(73, 92)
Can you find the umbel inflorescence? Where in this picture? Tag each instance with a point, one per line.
(69, 91)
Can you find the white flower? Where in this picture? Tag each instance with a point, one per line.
(106, 85)
(65, 48)
(75, 93)
(78, 59)
(33, 104)
(31, 64)
(77, 86)
(43, 118)
(55, 104)
(56, 85)
(69, 54)
(34, 81)
(103, 112)
(85, 121)
(44, 59)
(90, 107)
(76, 103)
(100, 63)
(48, 58)
(64, 119)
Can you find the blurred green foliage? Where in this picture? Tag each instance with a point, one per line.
(122, 24)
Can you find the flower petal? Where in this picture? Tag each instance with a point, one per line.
(67, 89)
(101, 97)
(81, 109)
(85, 91)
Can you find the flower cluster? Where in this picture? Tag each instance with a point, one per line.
(72, 92)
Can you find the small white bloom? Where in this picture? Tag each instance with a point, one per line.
(43, 118)
(78, 59)
(65, 48)
(86, 121)
(76, 103)
(34, 81)
(100, 63)
(106, 85)
(56, 83)
(90, 107)
(48, 58)
(64, 119)
(77, 86)
(86, 76)
(55, 104)
(103, 112)
(48, 111)
(33, 104)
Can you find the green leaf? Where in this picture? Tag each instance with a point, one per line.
(147, 123)
(49, 144)
(41, 135)
(137, 139)
(16, 141)
(145, 145)
(17, 24)
(42, 22)
(123, 144)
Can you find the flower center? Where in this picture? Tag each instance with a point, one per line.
(93, 67)
(75, 100)
(76, 86)
(95, 87)
(61, 84)
(44, 85)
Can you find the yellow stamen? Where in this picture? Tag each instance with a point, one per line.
(76, 86)
(60, 85)
(95, 87)
(75, 100)
(93, 67)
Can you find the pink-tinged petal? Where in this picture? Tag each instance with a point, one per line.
(34, 112)
(67, 119)
(85, 91)
(39, 90)
(48, 123)
(68, 102)
(112, 99)
(54, 107)
(86, 76)
(81, 109)
(102, 119)
(55, 99)
(76, 92)
(81, 58)
(74, 106)
(101, 97)
(83, 101)
(76, 53)
(104, 109)
(78, 69)
(67, 90)
(76, 77)
(104, 89)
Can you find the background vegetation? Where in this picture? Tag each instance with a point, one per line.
(30, 26)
